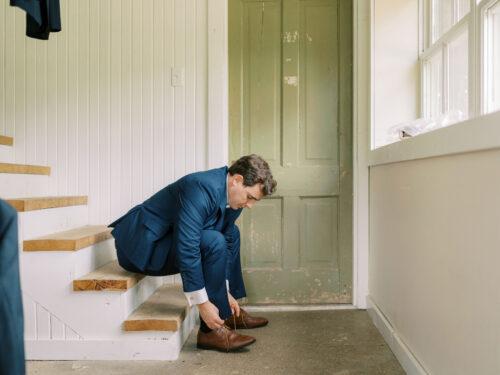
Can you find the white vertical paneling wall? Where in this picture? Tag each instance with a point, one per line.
(96, 101)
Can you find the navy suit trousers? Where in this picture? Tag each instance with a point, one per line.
(220, 258)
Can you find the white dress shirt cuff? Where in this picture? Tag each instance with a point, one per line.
(227, 285)
(196, 297)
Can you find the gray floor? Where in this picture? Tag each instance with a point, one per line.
(337, 342)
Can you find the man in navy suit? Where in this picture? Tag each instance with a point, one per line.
(11, 308)
(189, 227)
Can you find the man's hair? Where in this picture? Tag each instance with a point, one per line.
(254, 170)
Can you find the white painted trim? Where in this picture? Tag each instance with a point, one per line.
(481, 58)
(446, 38)
(477, 134)
(402, 352)
(218, 80)
(362, 115)
(279, 308)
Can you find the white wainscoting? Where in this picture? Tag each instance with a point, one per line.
(96, 101)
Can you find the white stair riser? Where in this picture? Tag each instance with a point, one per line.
(88, 259)
(131, 349)
(137, 295)
(6, 154)
(23, 185)
(91, 314)
(71, 264)
(33, 224)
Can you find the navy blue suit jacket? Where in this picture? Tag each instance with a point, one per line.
(175, 216)
(11, 308)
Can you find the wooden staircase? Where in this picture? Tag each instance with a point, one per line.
(24, 169)
(70, 240)
(165, 310)
(41, 203)
(106, 312)
(6, 141)
(108, 277)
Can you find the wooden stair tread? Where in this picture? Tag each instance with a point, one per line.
(24, 169)
(108, 277)
(40, 203)
(6, 141)
(70, 240)
(163, 311)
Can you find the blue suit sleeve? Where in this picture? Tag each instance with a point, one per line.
(11, 308)
(195, 205)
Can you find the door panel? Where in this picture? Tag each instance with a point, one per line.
(290, 83)
(318, 232)
(262, 242)
(262, 60)
(319, 88)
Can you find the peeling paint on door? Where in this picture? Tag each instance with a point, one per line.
(291, 80)
(290, 36)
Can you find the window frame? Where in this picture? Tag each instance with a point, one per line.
(474, 21)
(429, 49)
(482, 7)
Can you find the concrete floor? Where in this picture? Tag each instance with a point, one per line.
(339, 342)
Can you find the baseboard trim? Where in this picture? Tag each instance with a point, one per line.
(402, 352)
(258, 308)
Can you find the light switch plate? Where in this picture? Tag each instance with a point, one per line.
(177, 77)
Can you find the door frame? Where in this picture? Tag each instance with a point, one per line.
(218, 122)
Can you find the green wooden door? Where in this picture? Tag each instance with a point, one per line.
(290, 100)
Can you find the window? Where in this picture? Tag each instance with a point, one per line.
(445, 14)
(446, 60)
(491, 46)
(460, 68)
(434, 84)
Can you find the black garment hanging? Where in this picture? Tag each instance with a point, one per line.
(42, 17)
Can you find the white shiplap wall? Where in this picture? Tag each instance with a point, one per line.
(96, 103)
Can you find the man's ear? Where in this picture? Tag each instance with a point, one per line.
(238, 178)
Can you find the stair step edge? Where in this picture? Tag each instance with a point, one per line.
(110, 277)
(24, 169)
(165, 310)
(69, 240)
(41, 203)
(6, 141)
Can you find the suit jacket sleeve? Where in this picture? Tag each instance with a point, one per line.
(195, 206)
(11, 308)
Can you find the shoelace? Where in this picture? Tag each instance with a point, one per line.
(242, 316)
(226, 331)
(234, 322)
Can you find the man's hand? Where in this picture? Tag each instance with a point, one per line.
(210, 315)
(235, 307)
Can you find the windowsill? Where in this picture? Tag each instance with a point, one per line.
(476, 134)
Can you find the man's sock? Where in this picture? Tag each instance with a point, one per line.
(203, 326)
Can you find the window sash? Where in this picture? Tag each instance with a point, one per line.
(458, 9)
(473, 21)
(488, 64)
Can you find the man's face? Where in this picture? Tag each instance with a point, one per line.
(241, 196)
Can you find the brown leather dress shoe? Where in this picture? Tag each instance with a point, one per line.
(223, 339)
(245, 320)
